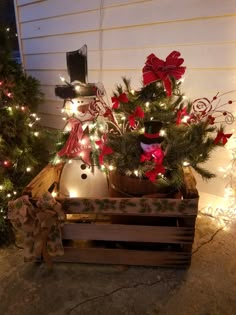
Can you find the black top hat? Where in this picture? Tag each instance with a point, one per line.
(78, 72)
(152, 132)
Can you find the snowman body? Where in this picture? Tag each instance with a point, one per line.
(80, 178)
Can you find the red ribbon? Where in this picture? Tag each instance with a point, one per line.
(180, 114)
(138, 113)
(151, 135)
(157, 155)
(122, 98)
(222, 137)
(73, 147)
(156, 69)
(151, 175)
(104, 149)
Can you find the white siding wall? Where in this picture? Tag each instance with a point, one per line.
(120, 34)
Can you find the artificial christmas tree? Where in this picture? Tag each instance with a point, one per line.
(22, 143)
(156, 132)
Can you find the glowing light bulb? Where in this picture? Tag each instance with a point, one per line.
(73, 193)
(162, 132)
(62, 79)
(111, 167)
(1, 187)
(185, 119)
(136, 172)
(36, 133)
(8, 195)
(186, 163)
(28, 169)
(54, 194)
(30, 125)
(14, 192)
(132, 92)
(147, 104)
(77, 88)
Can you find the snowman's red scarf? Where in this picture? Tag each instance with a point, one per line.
(73, 147)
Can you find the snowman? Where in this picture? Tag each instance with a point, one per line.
(83, 104)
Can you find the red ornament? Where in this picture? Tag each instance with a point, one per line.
(122, 98)
(222, 137)
(104, 149)
(138, 113)
(7, 163)
(156, 69)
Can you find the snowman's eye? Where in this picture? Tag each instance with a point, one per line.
(83, 176)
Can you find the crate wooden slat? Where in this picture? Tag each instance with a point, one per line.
(126, 257)
(134, 233)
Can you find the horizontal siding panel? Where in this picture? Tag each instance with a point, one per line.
(51, 121)
(51, 107)
(51, 8)
(57, 61)
(172, 34)
(196, 56)
(139, 37)
(153, 13)
(23, 2)
(61, 25)
(61, 43)
(163, 11)
(200, 79)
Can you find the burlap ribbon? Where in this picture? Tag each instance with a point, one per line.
(40, 226)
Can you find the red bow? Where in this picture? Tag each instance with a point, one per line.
(73, 146)
(122, 98)
(180, 114)
(156, 154)
(104, 149)
(157, 69)
(222, 137)
(151, 175)
(138, 113)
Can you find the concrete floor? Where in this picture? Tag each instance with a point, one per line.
(208, 287)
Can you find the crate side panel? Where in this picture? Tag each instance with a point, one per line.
(127, 257)
(134, 233)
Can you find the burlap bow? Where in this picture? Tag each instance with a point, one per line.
(40, 226)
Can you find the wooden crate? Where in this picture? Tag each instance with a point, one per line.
(131, 231)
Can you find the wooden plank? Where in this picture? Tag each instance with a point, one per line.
(132, 233)
(49, 175)
(127, 257)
